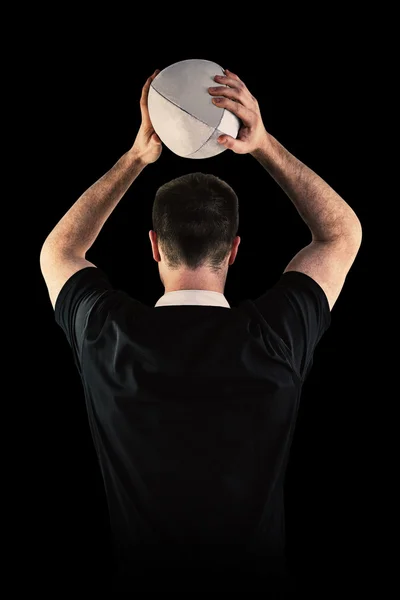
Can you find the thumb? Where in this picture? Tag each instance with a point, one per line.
(229, 142)
(156, 138)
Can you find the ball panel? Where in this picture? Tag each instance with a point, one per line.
(229, 124)
(210, 148)
(182, 133)
(186, 84)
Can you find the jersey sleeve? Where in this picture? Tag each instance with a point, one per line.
(297, 310)
(81, 294)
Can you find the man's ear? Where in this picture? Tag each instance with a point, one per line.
(154, 247)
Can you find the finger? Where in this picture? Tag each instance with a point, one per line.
(145, 95)
(232, 93)
(230, 74)
(224, 80)
(146, 87)
(245, 96)
(243, 113)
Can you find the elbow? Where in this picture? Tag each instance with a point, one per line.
(47, 251)
(352, 231)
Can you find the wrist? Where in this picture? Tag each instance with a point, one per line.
(264, 147)
(135, 157)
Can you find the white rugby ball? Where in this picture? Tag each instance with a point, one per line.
(182, 112)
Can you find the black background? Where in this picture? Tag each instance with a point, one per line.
(311, 94)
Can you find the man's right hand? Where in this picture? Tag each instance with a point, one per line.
(252, 135)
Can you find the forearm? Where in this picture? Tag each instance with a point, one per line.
(80, 226)
(326, 214)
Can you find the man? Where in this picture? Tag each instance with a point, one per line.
(192, 406)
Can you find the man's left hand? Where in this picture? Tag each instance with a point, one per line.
(147, 145)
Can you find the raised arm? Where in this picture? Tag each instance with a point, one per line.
(64, 250)
(335, 228)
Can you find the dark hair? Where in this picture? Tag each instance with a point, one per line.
(196, 218)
